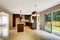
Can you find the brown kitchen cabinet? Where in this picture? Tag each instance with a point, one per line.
(20, 27)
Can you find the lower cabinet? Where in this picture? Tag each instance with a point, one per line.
(28, 24)
(20, 27)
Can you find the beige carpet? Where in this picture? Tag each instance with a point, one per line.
(28, 34)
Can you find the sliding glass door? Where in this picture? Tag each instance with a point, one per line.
(48, 25)
(56, 21)
(52, 22)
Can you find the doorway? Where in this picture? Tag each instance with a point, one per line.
(4, 24)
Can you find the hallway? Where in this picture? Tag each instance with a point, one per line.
(28, 34)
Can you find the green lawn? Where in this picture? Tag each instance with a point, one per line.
(54, 28)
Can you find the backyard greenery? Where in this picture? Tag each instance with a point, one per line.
(56, 16)
(54, 28)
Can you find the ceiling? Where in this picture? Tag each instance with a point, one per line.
(27, 6)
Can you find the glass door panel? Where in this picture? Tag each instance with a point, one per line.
(48, 26)
(56, 21)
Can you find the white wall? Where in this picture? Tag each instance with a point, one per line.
(38, 21)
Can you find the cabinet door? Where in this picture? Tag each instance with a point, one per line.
(20, 28)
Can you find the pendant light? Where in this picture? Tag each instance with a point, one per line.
(35, 6)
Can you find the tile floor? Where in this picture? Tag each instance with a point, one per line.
(28, 34)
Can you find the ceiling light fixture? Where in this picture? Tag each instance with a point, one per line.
(35, 7)
(20, 11)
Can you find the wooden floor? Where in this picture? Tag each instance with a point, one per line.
(28, 34)
(0, 38)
